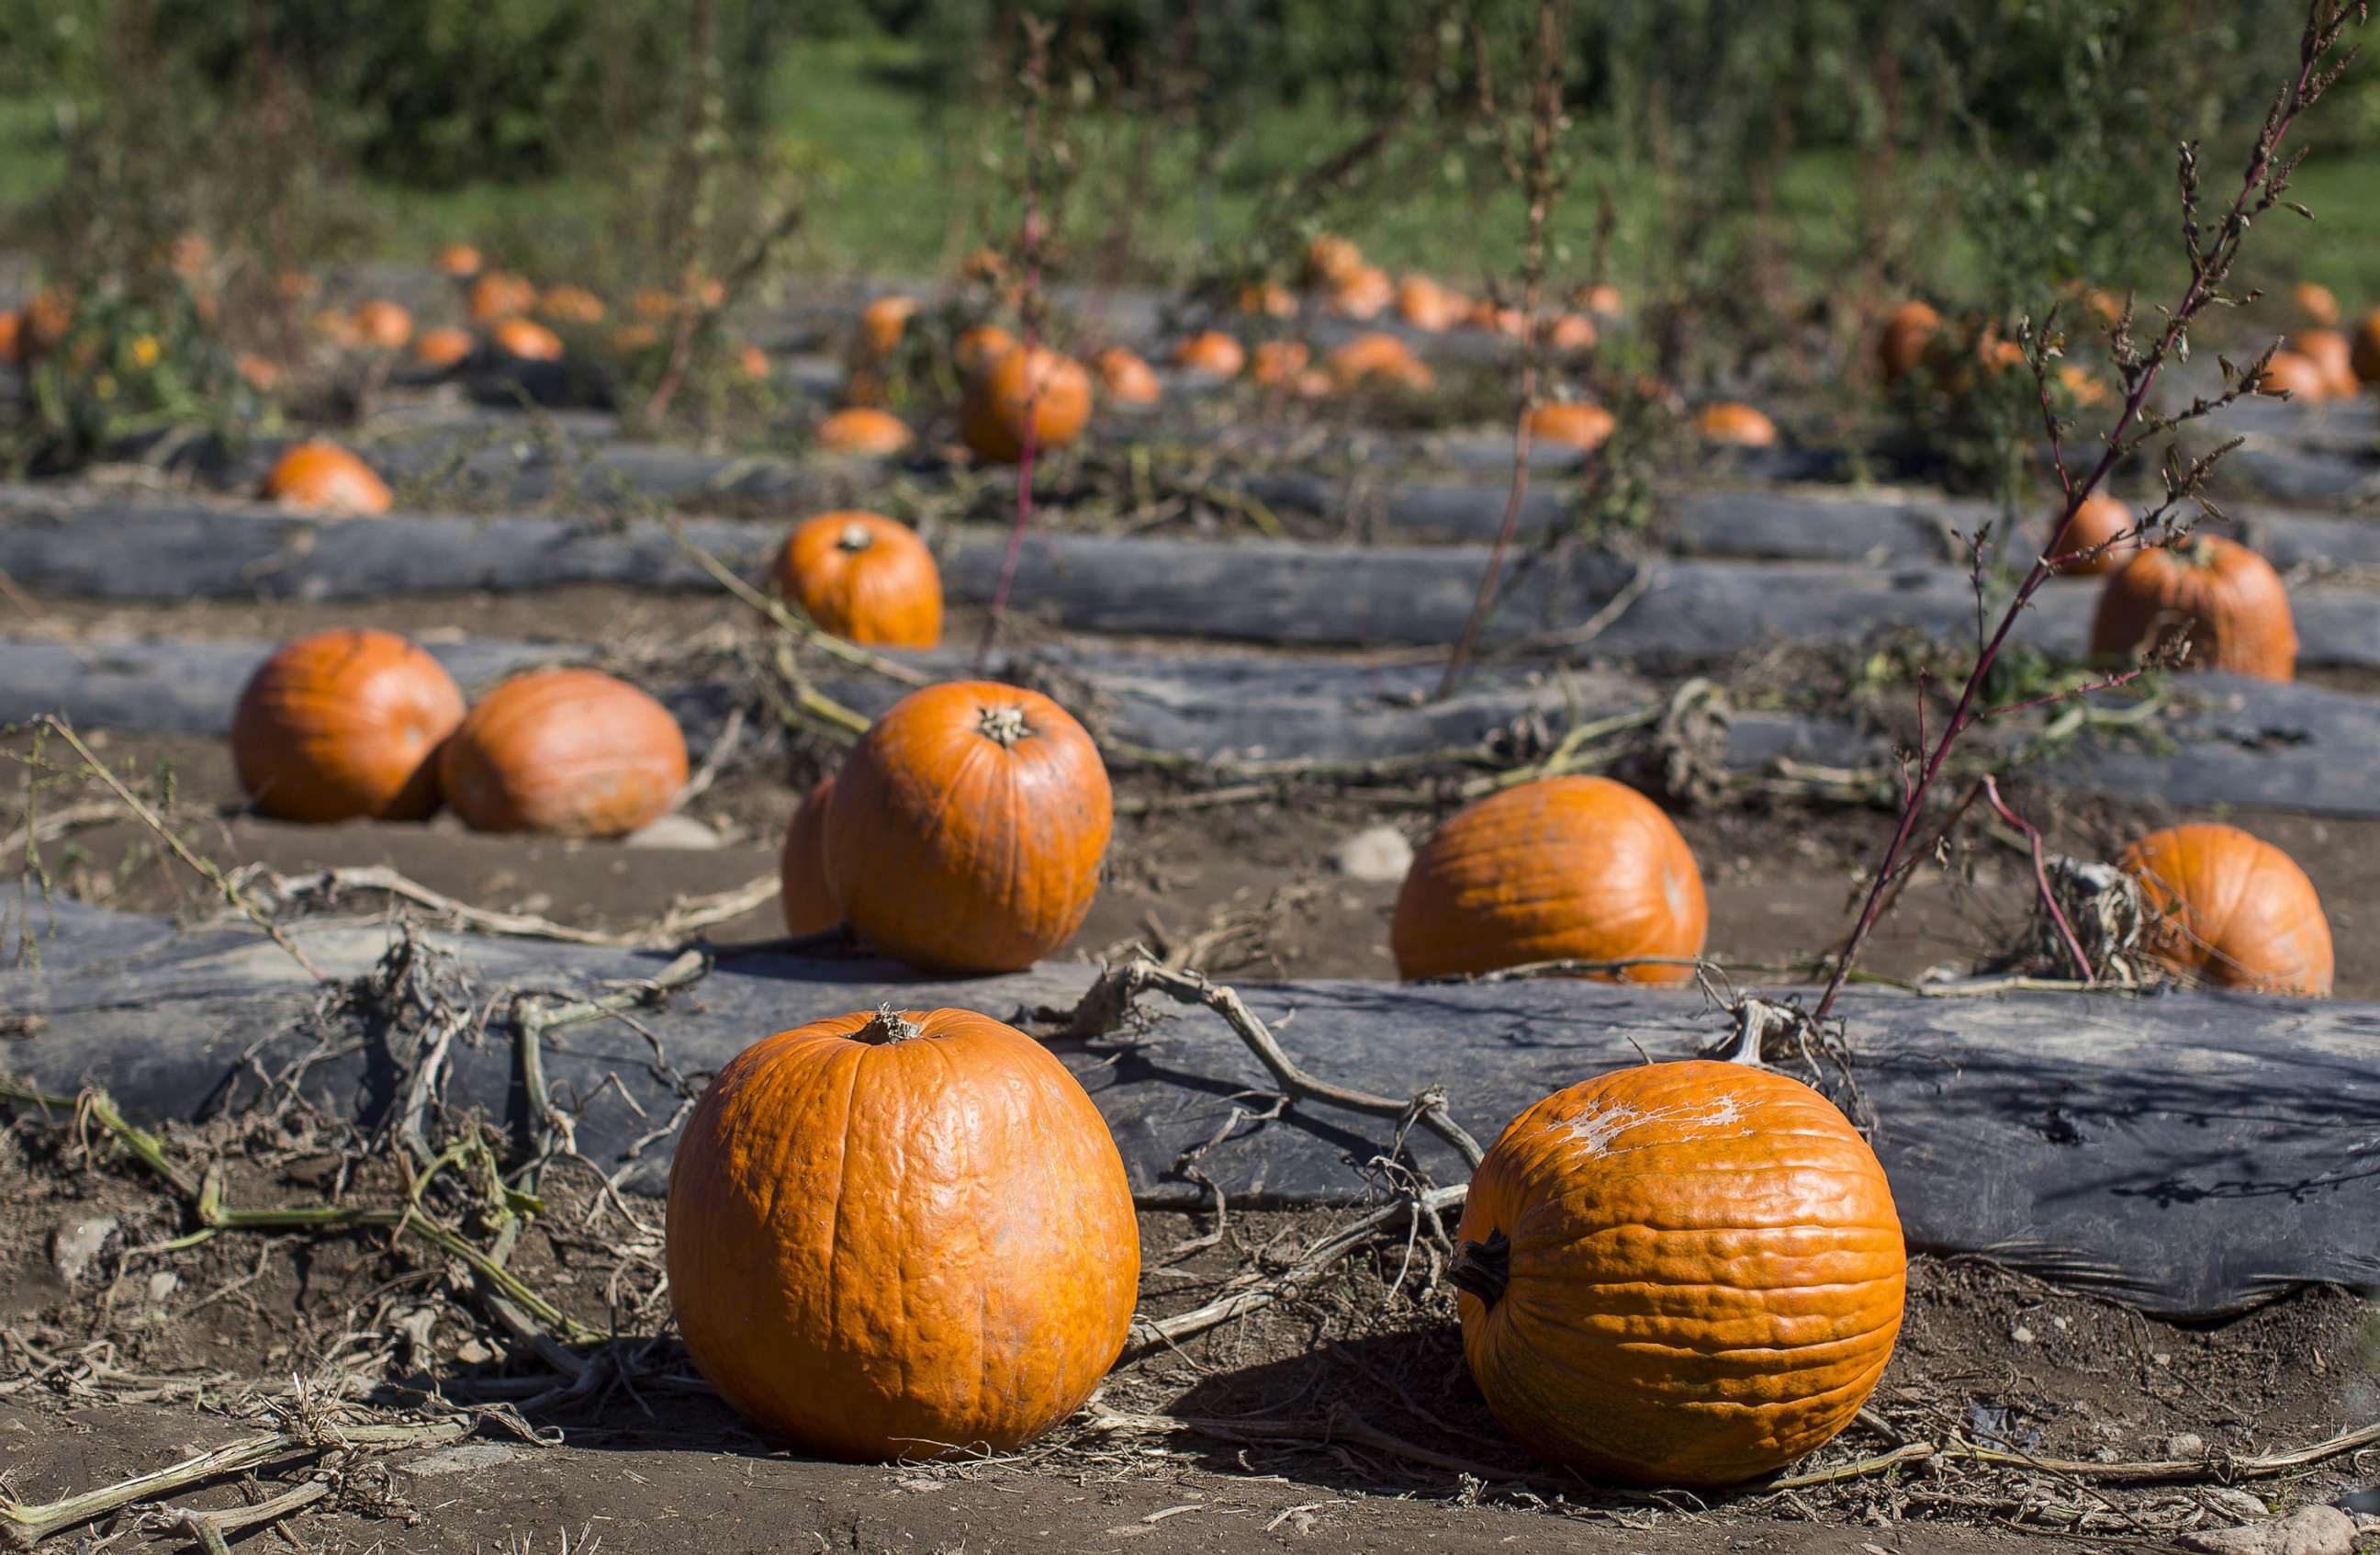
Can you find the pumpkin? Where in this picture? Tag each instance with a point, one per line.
(895, 1233)
(1738, 425)
(1378, 357)
(498, 294)
(1212, 351)
(979, 346)
(2098, 521)
(2231, 909)
(864, 578)
(1278, 362)
(1580, 425)
(571, 304)
(1331, 258)
(568, 751)
(1127, 377)
(2334, 353)
(343, 725)
(382, 325)
(2365, 349)
(442, 348)
(338, 328)
(1901, 347)
(860, 430)
(1572, 332)
(459, 259)
(2087, 387)
(1602, 299)
(2301, 378)
(528, 340)
(969, 824)
(1557, 868)
(992, 412)
(1315, 384)
(630, 339)
(1364, 292)
(882, 322)
(809, 903)
(1684, 1274)
(12, 338)
(652, 302)
(984, 267)
(48, 317)
(2316, 302)
(1426, 305)
(2229, 600)
(753, 363)
(1268, 300)
(1485, 314)
(259, 373)
(327, 479)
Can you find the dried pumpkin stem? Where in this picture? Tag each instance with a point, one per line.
(887, 1026)
(1483, 1269)
(1004, 727)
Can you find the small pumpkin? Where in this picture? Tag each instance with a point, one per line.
(2087, 387)
(573, 752)
(527, 340)
(863, 430)
(1572, 333)
(808, 901)
(498, 294)
(261, 373)
(2229, 600)
(459, 259)
(864, 578)
(1426, 305)
(2335, 355)
(1505, 319)
(338, 328)
(2098, 521)
(881, 324)
(345, 724)
(2231, 909)
(1278, 362)
(1364, 292)
(12, 338)
(1212, 351)
(1900, 350)
(1559, 869)
(753, 363)
(992, 413)
(49, 316)
(969, 824)
(1739, 426)
(1378, 358)
(570, 305)
(1331, 258)
(630, 339)
(295, 285)
(898, 1234)
(1268, 300)
(979, 346)
(2365, 349)
(443, 348)
(1575, 424)
(2300, 378)
(2315, 303)
(382, 325)
(1126, 378)
(1602, 299)
(326, 479)
(1685, 1274)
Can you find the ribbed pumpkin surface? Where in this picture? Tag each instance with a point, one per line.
(342, 724)
(864, 578)
(808, 901)
(883, 1245)
(2230, 598)
(2237, 910)
(992, 413)
(1703, 1274)
(568, 751)
(1560, 868)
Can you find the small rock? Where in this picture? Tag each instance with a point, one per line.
(472, 1353)
(2229, 1500)
(2161, 1358)
(2316, 1530)
(673, 832)
(2021, 1334)
(2185, 1444)
(463, 1458)
(162, 1284)
(77, 1243)
(1377, 853)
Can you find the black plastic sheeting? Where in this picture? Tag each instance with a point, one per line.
(2191, 1154)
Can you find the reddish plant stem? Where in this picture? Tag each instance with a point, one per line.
(1028, 245)
(2041, 883)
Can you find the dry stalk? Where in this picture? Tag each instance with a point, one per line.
(683, 917)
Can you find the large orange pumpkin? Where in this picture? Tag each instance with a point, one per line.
(1907, 332)
(2229, 598)
(2316, 302)
(568, 751)
(808, 901)
(326, 479)
(2300, 378)
(528, 340)
(863, 430)
(1741, 426)
(442, 348)
(1577, 425)
(1682, 1274)
(969, 824)
(896, 1234)
(1378, 357)
(992, 414)
(2233, 909)
(2364, 349)
(1126, 377)
(382, 325)
(1212, 351)
(342, 724)
(2098, 521)
(864, 578)
(2335, 355)
(498, 294)
(1560, 868)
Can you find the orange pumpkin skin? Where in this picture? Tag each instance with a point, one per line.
(1268, 300)
(1580, 425)
(1364, 292)
(1702, 1271)
(1901, 347)
(2316, 303)
(1426, 305)
(571, 304)
(528, 340)
(2334, 353)
(1331, 258)
(969, 824)
(864, 577)
(1560, 868)
(342, 724)
(1602, 299)
(382, 325)
(862, 430)
(12, 338)
(2364, 349)
(259, 373)
(1738, 425)
(568, 751)
(2098, 520)
(2230, 598)
(2233, 910)
(1278, 362)
(882, 322)
(442, 348)
(2300, 378)
(327, 479)
(459, 259)
(497, 295)
(978, 346)
(1572, 332)
(1127, 377)
(1212, 351)
(884, 1245)
(1378, 357)
(991, 416)
(808, 901)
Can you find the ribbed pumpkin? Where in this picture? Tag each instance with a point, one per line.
(863, 430)
(2098, 520)
(1740, 426)
(568, 751)
(1127, 379)
(442, 348)
(2364, 349)
(895, 1234)
(382, 325)
(882, 322)
(459, 259)
(1212, 351)
(497, 295)
(2334, 353)
(325, 478)
(2233, 909)
(1364, 292)
(864, 578)
(528, 340)
(808, 901)
(1683, 1274)
(2300, 378)
(342, 724)
(1378, 358)
(570, 305)
(991, 416)
(1907, 332)
(2230, 598)
(979, 346)
(2316, 302)
(1555, 870)
(1576, 425)
(969, 824)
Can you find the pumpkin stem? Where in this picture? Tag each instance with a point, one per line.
(1004, 726)
(854, 537)
(1484, 1268)
(888, 1026)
